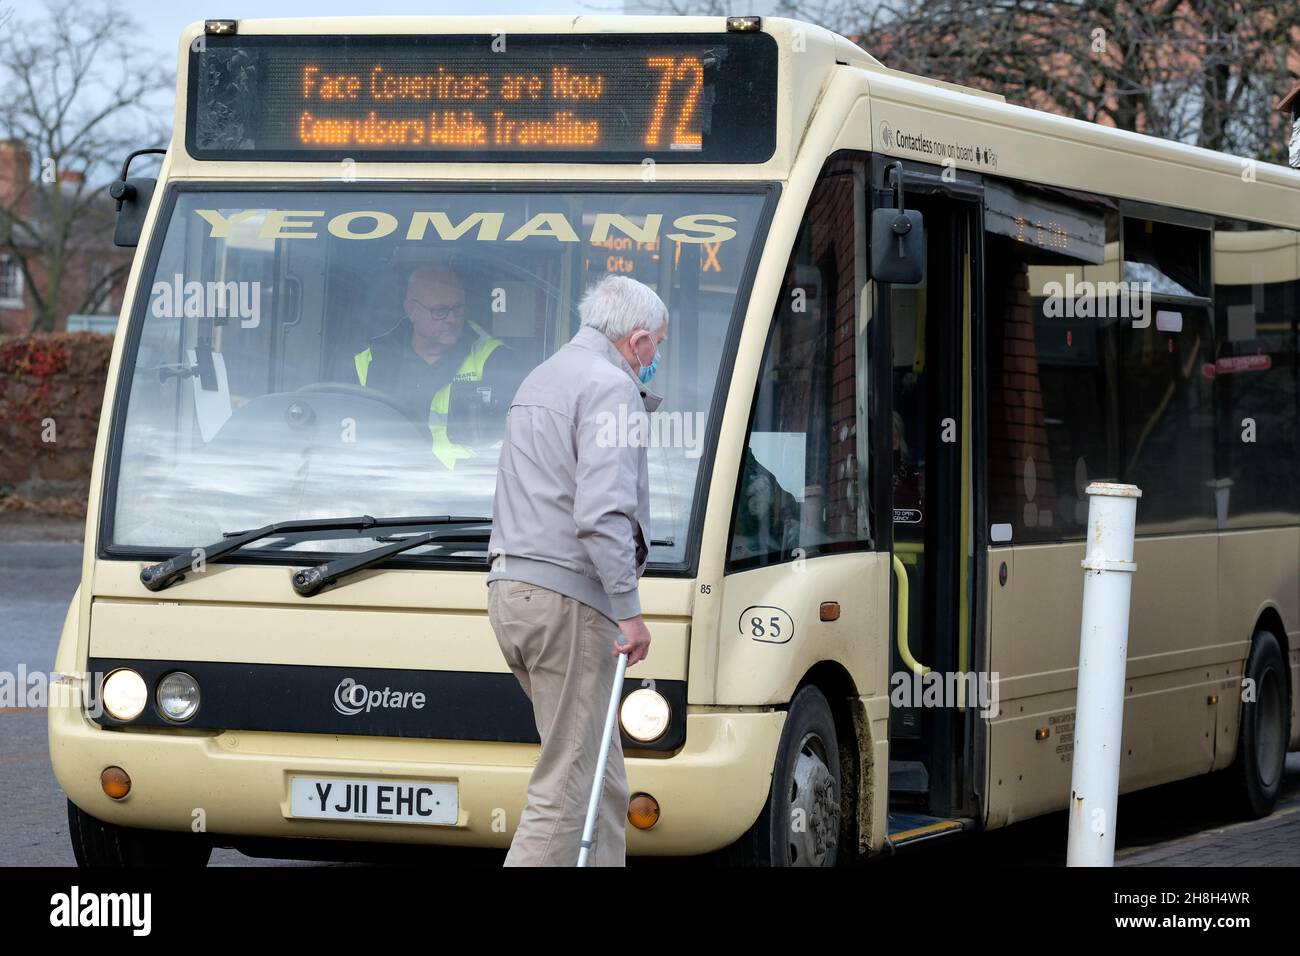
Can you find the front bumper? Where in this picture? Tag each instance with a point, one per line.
(237, 783)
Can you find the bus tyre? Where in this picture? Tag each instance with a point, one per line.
(1255, 777)
(800, 823)
(96, 843)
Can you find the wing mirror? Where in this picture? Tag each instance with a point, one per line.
(897, 250)
(132, 197)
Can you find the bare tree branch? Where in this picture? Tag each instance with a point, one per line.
(1206, 72)
(79, 96)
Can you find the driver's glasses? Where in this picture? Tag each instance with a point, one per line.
(442, 312)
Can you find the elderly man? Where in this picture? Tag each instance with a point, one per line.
(570, 536)
(418, 359)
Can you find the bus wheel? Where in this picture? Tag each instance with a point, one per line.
(1256, 775)
(96, 843)
(800, 823)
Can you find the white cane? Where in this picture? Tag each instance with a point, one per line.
(593, 806)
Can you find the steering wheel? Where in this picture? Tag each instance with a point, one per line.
(360, 391)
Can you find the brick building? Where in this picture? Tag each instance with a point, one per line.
(42, 208)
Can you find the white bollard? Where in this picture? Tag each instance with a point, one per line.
(1103, 653)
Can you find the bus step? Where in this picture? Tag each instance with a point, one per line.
(908, 776)
(916, 827)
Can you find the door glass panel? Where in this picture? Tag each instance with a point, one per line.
(910, 427)
(927, 358)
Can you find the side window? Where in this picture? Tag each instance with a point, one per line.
(1101, 366)
(803, 479)
(1053, 313)
(1256, 304)
(1167, 388)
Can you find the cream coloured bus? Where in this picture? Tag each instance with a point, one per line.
(910, 323)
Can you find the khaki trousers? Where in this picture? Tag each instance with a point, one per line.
(561, 651)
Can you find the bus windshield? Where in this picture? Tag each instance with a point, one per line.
(300, 354)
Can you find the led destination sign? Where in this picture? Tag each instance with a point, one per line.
(614, 98)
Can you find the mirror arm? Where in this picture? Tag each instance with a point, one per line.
(122, 191)
(902, 225)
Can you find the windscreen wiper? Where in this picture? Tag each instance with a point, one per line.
(156, 577)
(311, 581)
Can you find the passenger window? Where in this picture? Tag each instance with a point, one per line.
(803, 479)
(1256, 304)
(1054, 304)
(1167, 386)
(1167, 410)
(1100, 371)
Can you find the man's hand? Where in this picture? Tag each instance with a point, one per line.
(636, 640)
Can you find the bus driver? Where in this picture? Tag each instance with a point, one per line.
(433, 346)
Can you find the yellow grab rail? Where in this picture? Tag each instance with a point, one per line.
(904, 650)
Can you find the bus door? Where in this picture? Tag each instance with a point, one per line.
(930, 483)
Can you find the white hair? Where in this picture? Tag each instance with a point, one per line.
(618, 306)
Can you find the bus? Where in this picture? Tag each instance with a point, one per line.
(910, 324)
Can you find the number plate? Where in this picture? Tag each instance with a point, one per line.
(374, 800)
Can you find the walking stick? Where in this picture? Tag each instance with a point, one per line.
(593, 805)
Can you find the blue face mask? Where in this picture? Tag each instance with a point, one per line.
(648, 370)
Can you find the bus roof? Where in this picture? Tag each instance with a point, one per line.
(901, 114)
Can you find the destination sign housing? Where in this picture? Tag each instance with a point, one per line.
(701, 98)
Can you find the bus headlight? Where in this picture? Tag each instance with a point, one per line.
(644, 715)
(125, 694)
(178, 696)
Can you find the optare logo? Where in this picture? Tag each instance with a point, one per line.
(351, 698)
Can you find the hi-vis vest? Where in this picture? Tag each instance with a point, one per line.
(471, 370)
